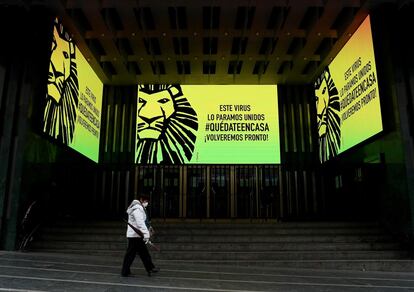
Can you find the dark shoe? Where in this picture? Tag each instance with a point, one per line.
(153, 271)
(125, 274)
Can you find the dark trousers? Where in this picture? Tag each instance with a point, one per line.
(136, 245)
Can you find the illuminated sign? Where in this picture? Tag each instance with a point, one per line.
(347, 97)
(72, 114)
(207, 124)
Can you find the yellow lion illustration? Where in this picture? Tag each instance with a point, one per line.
(59, 116)
(166, 125)
(328, 109)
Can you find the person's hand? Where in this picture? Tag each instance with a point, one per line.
(146, 240)
(151, 231)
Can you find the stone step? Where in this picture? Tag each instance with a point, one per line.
(212, 224)
(227, 227)
(293, 244)
(264, 225)
(219, 247)
(270, 231)
(214, 257)
(280, 255)
(214, 238)
(400, 266)
(253, 231)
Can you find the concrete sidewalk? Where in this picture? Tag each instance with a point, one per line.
(63, 272)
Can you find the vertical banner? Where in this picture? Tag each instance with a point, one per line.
(207, 124)
(347, 97)
(72, 114)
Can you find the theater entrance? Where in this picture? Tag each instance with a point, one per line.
(211, 192)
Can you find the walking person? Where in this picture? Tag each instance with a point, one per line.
(138, 236)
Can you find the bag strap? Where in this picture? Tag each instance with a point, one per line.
(139, 232)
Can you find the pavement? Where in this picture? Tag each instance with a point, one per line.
(35, 271)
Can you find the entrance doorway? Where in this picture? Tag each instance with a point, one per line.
(211, 192)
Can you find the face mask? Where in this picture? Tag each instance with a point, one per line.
(145, 204)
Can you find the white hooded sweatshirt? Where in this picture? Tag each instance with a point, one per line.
(137, 217)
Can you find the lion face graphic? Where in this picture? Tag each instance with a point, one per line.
(328, 118)
(166, 125)
(153, 112)
(62, 87)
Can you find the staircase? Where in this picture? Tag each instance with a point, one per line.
(322, 245)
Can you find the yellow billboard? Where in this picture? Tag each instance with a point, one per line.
(207, 124)
(72, 114)
(347, 97)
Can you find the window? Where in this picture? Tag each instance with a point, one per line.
(211, 17)
(181, 46)
(178, 17)
(183, 67)
(157, 67)
(209, 67)
(235, 67)
(210, 46)
(239, 46)
(152, 45)
(260, 67)
(244, 17)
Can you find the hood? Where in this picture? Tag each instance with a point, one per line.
(134, 205)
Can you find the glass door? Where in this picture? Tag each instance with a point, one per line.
(220, 192)
(171, 192)
(268, 191)
(245, 191)
(196, 200)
